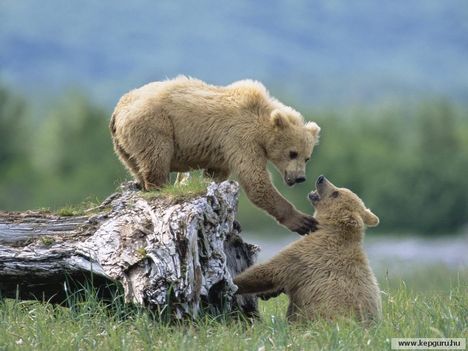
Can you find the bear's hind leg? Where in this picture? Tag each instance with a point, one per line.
(151, 138)
(123, 155)
(129, 162)
(155, 165)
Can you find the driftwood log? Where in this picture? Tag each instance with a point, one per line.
(181, 253)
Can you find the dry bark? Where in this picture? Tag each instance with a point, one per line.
(162, 252)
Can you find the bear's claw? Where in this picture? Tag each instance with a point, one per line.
(308, 225)
(270, 294)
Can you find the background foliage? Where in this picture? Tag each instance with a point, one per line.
(407, 162)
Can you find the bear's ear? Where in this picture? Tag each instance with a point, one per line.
(279, 119)
(370, 219)
(313, 128)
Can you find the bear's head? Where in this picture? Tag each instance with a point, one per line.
(290, 144)
(340, 207)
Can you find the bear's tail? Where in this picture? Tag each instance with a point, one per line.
(112, 124)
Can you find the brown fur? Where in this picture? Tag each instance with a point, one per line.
(325, 274)
(185, 124)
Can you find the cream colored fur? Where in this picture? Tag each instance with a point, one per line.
(325, 274)
(185, 124)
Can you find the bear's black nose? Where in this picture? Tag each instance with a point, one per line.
(320, 179)
(300, 179)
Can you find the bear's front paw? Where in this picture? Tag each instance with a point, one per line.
(301, 224)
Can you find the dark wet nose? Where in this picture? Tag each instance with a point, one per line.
(320, 179)
(300, 179)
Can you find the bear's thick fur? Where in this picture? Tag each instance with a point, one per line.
(325, 274)
(185, 124)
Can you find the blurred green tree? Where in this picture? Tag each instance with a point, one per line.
(439, 189)
(74, 153)
(12, 115)
(15, 134)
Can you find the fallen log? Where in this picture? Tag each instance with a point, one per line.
(181, 253)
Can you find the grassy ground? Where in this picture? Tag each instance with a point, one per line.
(194, 186)
(438, 309)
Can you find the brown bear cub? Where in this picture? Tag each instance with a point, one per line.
(325, 274)
(184, 124)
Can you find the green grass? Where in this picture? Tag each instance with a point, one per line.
(440, 310)
(81, 209)
(195, 186)
(70, 210)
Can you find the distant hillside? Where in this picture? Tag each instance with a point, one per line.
(310, 52)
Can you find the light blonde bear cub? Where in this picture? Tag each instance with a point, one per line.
(185, 124)
(325, 274)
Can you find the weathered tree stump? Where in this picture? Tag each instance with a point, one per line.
(162, 252)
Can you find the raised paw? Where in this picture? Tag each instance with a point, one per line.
(302, 224)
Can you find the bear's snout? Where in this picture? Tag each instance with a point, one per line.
(320, 179)
(323, 185)
(300, 179)
(291, 179)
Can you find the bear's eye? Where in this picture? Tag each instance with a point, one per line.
(293, 155)
(335, 194)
